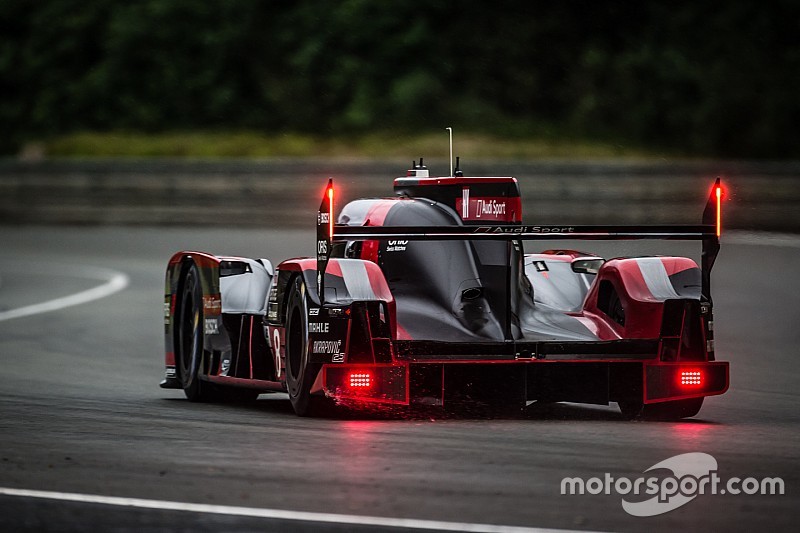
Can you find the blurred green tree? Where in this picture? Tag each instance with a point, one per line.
(711, 78)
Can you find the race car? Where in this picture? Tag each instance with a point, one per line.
(427, 299)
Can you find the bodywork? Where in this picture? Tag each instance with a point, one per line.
(428, 298)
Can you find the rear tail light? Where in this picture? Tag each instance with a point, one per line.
(383, 383)
(672, 381)
(360, 380)
(691, 378)
(718, 194)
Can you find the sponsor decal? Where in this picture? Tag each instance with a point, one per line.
(323, 218)
(318, 327)
(541, 266)
(314, 311)
(525, 229)
(272, 305)
(486, 208)
(327, 347)
(490, 208)
(684, 477)
(322, 248)
(396, 246)
(211, 326)
(212, 305)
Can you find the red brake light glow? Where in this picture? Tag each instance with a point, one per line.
(330, 212)
(718, 193)
(691, 378)
(360, 380)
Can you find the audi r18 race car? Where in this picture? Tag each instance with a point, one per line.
(427, 298)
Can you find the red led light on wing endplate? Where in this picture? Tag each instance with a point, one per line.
(330, 212)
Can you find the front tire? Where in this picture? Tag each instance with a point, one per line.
(189, 337)
(300, 372)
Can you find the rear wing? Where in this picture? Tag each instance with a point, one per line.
(708, 231)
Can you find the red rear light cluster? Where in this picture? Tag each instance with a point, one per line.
(360, 379)
(691, 377)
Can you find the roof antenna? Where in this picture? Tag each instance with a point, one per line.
(458, 172)
(451, 150)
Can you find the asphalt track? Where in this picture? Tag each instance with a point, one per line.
(83, 420)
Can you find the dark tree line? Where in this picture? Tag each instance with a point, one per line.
(712, 78)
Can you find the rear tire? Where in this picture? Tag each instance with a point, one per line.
(674, 410)
(189, 338)
(300, 373)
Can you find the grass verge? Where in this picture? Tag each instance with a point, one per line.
(248, 144)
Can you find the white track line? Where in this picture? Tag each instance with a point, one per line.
(114, 282)
(276, 514)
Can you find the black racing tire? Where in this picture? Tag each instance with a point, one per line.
(674, 410)
(188, 334)
(300, 373)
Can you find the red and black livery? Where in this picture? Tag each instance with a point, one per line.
(428, 298)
